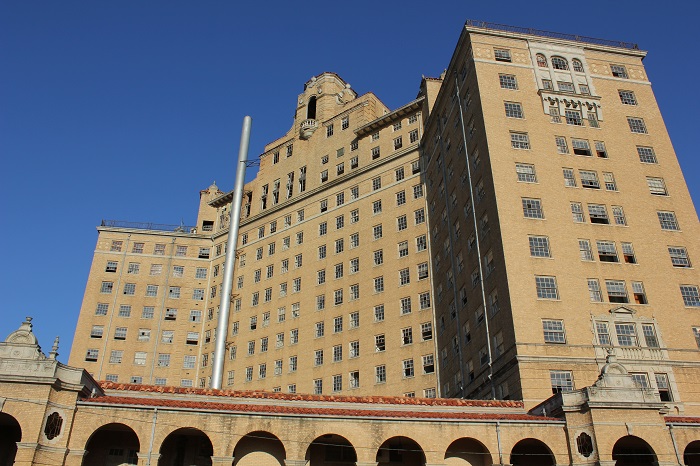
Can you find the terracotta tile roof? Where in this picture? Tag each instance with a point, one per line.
(682, 419)
(260, 394)
(307, 411)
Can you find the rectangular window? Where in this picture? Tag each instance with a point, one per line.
(405, 305)
(546, 287)
(637, 125)
(514, 110)
(532, 208)
(573, 117)
(525, 172)
(619, 71)
(598, 214)
(589, 179)
(508, 81)
(519, 140)
(617, 291)
(562, 381)
(668, 221)
(609, 180)
(627, 97)
(607, 252)
(690, 295)
(646, 154)
(657, 186)
(562, 147)
(539, 246)
(679, 256)
(553, 331)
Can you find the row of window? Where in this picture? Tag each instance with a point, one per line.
(626, 334)
(134, 268)
(616, 291)
(340, 200)
(158, 249)
(174, 292)
(563, 381)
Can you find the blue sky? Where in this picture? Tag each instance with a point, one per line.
(125, 110)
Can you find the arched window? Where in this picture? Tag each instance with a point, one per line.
(541, 61)
(559, 63)
(578, 66)
(311, 108)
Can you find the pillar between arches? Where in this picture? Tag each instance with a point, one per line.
(74, 457)
(295, 462)
(228, 460)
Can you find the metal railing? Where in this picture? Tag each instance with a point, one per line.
(553, 35)
(148, 226)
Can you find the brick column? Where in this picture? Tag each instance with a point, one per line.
(75, 457)
(366, 463)
(227, 460)
(295, 462)
(144, 457)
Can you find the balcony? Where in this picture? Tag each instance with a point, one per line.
(307, 128)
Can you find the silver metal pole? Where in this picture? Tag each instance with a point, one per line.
(227, 285)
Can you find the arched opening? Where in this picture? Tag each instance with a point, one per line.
(578, 66)
(541, 61)
(631, 450)
(186, 446)
(401, 450)
(112, 445)
(559, 63)
(10, 434)
(531, 452)
(311, 108)
(467, 451)
(691, 455)
(331, 449)
(259, 448)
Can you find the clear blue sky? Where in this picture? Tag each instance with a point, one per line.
(125, 110)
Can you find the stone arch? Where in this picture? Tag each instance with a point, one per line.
(186, 445)
(631, 450)
(467, 451)
(311, 108)
(691, 454)
(531, 452)
(112, 444)
(331, 448)
(259, 448)
(10, 434)
(401, 450)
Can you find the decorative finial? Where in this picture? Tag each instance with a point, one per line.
(54, 349)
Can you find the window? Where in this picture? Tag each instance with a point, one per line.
(400, 198)
(407, 336)
(609, 180)
(163, 360)
(565, 86)
(111, 266)
(532, 208)
(124, 310)
(569, 178)
(562, 381)
(380, 374)
(525, 172)
(377, 207)
(424, 300)
(627, 97)
(514, 110)
(378, 284)
(508, 81)
(322, 228)
(598, 213)
(696, 333)
(628, 253)
(419, 216)
(340, 168)
(607, 251)
(573, 117)
(657, 186)
(422, 271)
(404, 276)
(646, 154)
(119, 333)
(377, 231)
(539, 246)
(559, 63)
(519, 140)
(562, 147)
(408, 370)
(401, 223)
(668, 221)
(322, 252)
(413, 136)
(116, 357)
(97, 331)
(690, 295)
(398, 143)
(502, 55)
(617, 291)
(679, 256)
(618, 71)
(421, 243)
(541, 60)
(147, 312)
(106, 287)
(553, 331)
(637, 125)
(376, 183)
(379, 313)
(546, 287)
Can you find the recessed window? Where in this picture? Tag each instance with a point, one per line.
(617, 291)
(502, 55)
(514, 109)
(541, 60)
(559, 63)
(668, 221)
(657, 186)
(546, 287)
(577, 65)
(539, 246)
(532, 208)
(526, 172)
(646, 154)
(553, 331)
(508, 81)
(690, 295)
(627, 97)
(679, 256)
(619, 71)
(637, 125)
(519, 140)
(565, 86)
(562, 381)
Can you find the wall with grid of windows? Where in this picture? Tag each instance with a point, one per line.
(574, 212)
